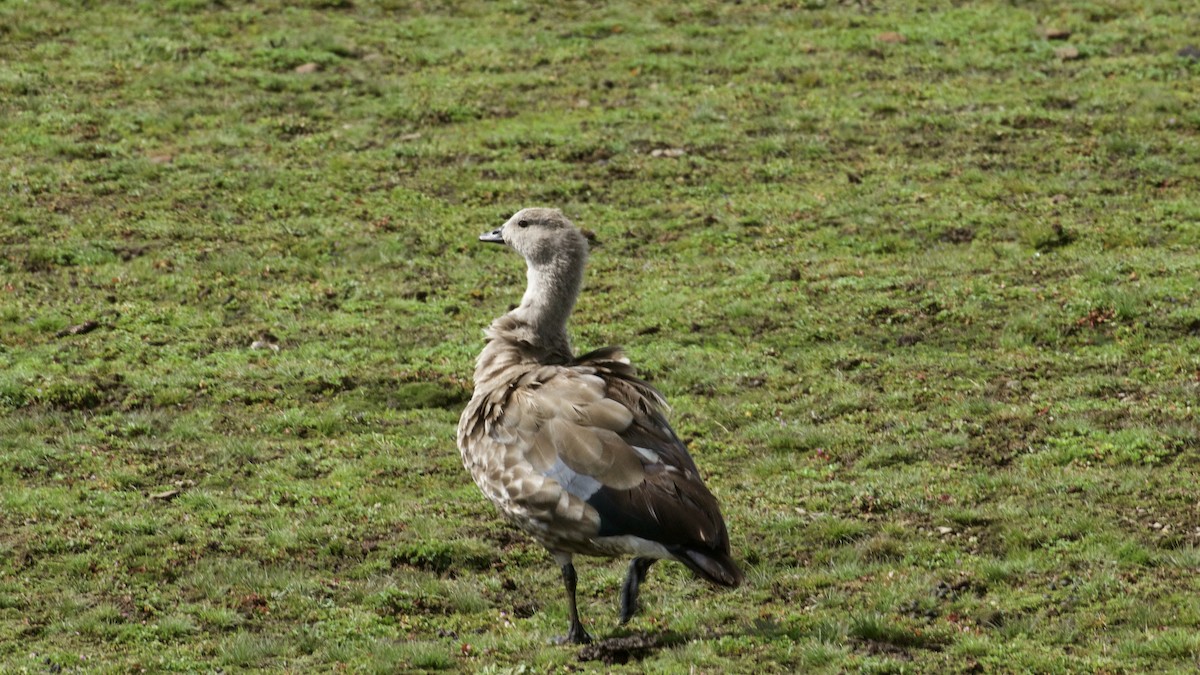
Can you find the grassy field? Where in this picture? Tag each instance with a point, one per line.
(919, 279)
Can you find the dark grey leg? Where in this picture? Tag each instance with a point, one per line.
(577, 635)
(629, 590)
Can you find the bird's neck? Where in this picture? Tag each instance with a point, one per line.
(539, 324)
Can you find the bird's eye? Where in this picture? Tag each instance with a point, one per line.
(522, 223)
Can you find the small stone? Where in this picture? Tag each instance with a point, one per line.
(306, 68)
(80, 329)
(1067, 53)
(1189, 52)
(945, 530)
(263, 344)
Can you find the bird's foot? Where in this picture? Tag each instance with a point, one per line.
(576, 636)
(629, 589)
(627, 612)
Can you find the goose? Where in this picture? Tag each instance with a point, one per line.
(575, 450)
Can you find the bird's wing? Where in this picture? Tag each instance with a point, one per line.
(580, 452)
(671, 504)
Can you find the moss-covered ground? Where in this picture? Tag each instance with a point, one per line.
(918, 278)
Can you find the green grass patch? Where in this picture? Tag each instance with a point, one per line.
(918, 281)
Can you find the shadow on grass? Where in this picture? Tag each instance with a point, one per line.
(871, 634)
(625, 648)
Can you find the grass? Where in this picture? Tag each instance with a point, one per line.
(918, 282)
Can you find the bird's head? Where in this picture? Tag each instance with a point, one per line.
(542, 236)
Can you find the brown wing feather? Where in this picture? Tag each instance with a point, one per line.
(672, 506)
(586, 452)
(649, 427)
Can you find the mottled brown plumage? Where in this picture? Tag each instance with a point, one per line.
(576, 450)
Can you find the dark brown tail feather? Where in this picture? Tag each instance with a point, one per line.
(713, 566)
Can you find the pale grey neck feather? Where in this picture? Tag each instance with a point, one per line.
(549, 299)
(539, 323)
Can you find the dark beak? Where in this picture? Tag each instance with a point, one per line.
(492, 237)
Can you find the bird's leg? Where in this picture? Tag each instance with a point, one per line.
(576, 635)
(629, 590)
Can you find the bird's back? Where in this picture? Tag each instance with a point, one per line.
(580, 455)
